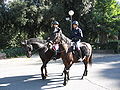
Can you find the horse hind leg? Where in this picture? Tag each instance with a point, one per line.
(85, 71)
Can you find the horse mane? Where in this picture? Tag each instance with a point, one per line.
(36, 42)
(32, 40)
(65, 39)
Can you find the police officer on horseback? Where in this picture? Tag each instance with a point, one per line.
(76, 36)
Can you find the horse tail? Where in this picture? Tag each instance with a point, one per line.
(90, 60)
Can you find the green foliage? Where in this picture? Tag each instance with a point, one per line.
(27, 17)
(14, 52)
(18, 21)
(99, 19)
(106, 20)
(59, 11)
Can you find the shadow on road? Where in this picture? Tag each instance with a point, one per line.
(30, 82)
(106, 59)
(54, 81)
(112, 70)
(33, 82)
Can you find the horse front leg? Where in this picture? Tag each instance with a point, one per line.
(46, 72)
(64, 77)
(44, 68)
(67, 72)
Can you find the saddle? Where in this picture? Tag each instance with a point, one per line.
(76, 51)
(80, 53)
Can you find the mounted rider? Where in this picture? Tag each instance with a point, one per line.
(56, 29)
(76, 36)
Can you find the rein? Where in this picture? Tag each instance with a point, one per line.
(35, 51)
(62, 51)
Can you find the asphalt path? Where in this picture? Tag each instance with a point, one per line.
(24, 74)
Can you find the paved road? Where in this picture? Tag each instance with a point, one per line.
(24, 74)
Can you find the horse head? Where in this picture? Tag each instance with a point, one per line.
(33, 44)
(61, 39)
(50, 45)
(28, 47)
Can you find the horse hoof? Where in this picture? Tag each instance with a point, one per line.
(64, 84)
(61, 74)
(68, 78)
(43, 78)
(46, 75)
(81, 78)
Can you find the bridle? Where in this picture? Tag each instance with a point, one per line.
(57, 40)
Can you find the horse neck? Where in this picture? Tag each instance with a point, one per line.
(64, 47)
(38, 45)
(65, 39)
(36, 40)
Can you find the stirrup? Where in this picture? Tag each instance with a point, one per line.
(80, 60)
(54, 58)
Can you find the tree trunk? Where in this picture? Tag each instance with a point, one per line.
(119, 35)
(103, 37)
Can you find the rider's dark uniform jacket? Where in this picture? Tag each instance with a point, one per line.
(55, 30)
(76, 34)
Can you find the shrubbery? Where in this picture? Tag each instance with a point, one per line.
(20, 20)
(14, 52)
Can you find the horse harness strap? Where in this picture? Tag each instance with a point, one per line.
(62, 51)
(35, 51)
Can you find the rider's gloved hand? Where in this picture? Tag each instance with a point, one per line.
(75, 39)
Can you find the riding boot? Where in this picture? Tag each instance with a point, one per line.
(80, 55)
(72, 48)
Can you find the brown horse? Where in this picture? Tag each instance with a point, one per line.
(69, 57)
(46, 54)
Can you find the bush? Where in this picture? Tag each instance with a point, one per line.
(111, 45)
(14, 52)
(114, 45)
(99, 46)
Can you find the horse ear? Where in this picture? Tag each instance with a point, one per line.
(24, 42)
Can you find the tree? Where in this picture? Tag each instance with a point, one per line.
(60, 8)
(105, 23)
(99, 19)
(20, 20)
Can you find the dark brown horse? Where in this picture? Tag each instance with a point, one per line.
(46, 54)
(69, 57)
